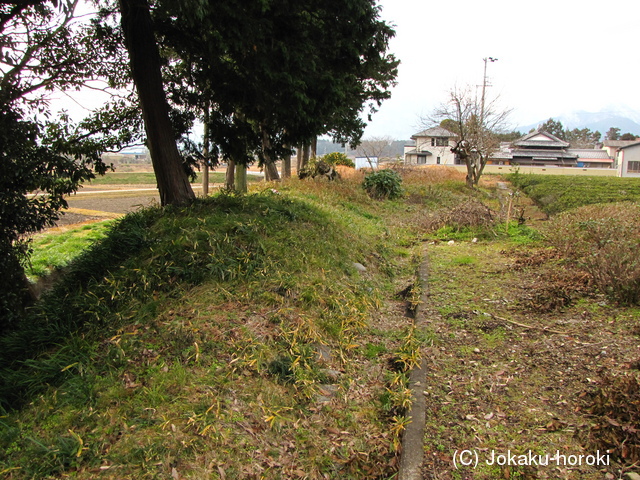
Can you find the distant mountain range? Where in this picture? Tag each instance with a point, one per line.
(627, 121)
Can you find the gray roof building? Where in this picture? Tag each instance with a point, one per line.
(540, 139)
(434, 132)
(542, 148)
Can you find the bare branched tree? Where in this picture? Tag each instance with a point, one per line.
(375, 147)
(476, 123)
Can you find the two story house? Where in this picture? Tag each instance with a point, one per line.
(432, 147)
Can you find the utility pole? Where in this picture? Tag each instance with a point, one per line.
(484, 87)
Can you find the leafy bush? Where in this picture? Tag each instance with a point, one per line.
(325, 166)
(338, 158)
(318, 167)
(604, 240)
(383, 184)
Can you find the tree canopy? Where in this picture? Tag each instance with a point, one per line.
(612, 134)
(263, 74)
(578, 137)
(277, 73)
(44, 157)
(554, 127)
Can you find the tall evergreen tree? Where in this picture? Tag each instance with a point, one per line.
(278, 73)
(554, 127)
(612, 134)
(172, 178)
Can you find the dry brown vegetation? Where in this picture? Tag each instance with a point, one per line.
(525, 351)
(524, 362)
(429, 174)
(604, 241)
(469, 214)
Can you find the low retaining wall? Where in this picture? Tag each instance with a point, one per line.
(504, 169)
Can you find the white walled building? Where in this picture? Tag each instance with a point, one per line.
(432, 147)
(628, 160)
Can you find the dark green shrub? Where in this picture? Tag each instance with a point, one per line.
(383, 184)
(318, 168)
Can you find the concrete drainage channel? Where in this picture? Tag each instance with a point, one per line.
(413, 437)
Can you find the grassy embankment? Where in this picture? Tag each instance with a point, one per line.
(235, 339)
(55, 250)
(232, 339)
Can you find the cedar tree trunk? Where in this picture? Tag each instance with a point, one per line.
(286, 166)
(241, 178)
(229, 182)
(299, 150)
(270, 169)
(205, 153)
(173, 181)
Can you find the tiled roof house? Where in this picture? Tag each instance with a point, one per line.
(542, 148)
(539, 148)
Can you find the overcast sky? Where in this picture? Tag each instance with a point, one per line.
(554, 57)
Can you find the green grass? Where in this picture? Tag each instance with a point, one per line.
(187, 339)
(463, 260)
(184, 329)
(557, 193)
(116, 178)
(56, 250)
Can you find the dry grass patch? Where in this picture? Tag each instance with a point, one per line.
(504, 378)
(603, 240)
(470, 214)
(432, 174)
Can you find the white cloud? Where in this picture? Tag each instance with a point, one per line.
(554, 56)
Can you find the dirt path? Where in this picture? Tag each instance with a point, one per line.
(107, 201)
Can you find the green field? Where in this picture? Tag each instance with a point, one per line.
(149, 178)
(557, 193)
